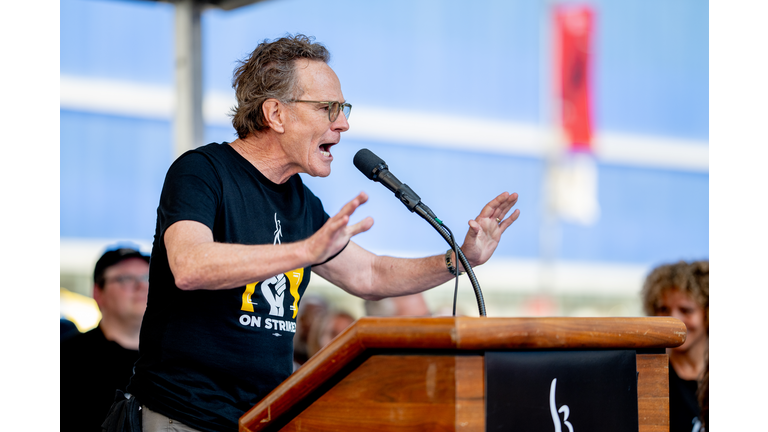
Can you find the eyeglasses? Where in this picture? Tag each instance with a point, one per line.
(125, 281)
(334, 108)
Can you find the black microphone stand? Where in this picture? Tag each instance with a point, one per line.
(424, 211)
(379, 172)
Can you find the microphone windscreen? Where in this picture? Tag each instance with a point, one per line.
(366, 162)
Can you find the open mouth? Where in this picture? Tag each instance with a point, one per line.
(325, 149)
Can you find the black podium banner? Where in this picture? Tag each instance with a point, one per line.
(561, 391)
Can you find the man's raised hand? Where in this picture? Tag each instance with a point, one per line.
(336, 232)
(486, 229)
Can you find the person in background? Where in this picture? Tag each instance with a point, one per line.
(412, 305)
(701, 274)
(327, 323)
(310, 308)
(96, 363)
(703, 397)
(325, 327)
(681, 290)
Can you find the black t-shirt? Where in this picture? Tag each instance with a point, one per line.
(207, 356)
(92, 369)
(683, 405)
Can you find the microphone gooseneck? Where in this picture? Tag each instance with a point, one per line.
(377, 170)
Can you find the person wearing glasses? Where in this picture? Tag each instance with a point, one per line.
(96, 363)
(238, 235)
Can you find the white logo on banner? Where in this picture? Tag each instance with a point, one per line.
(554, 411)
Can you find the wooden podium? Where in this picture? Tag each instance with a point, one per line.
(416, 374)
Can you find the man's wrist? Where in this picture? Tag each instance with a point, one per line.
(449, 263)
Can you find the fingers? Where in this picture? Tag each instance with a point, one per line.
(341, 219)
(280, 286)
(337, 230)
(497, 209)
(500, 205)
(362, 226)
(351, 206)
(492, 209)
(508, 221)
(337, 222)
(485, 231)
(474, 229)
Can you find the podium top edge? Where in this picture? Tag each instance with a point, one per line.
(483, 333)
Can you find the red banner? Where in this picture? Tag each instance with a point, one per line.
(573, 57)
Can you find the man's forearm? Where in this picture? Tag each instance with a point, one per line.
(373, 277)
(221, 265)
(403, 276)
(197, 262)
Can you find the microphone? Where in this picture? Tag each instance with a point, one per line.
(377, 170)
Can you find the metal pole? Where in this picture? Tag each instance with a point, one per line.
(188, 119)
(549, 234)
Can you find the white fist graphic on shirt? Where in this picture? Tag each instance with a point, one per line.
(274, 292)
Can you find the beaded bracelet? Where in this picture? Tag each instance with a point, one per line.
(449, 264)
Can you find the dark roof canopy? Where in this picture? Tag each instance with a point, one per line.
(221, 4)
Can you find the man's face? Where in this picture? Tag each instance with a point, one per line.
(309, 132)
(124, 294)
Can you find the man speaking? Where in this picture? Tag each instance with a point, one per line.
(238, 234)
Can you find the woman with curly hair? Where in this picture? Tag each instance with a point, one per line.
(681, 290)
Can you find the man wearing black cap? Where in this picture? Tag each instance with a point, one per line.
(96, 363)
